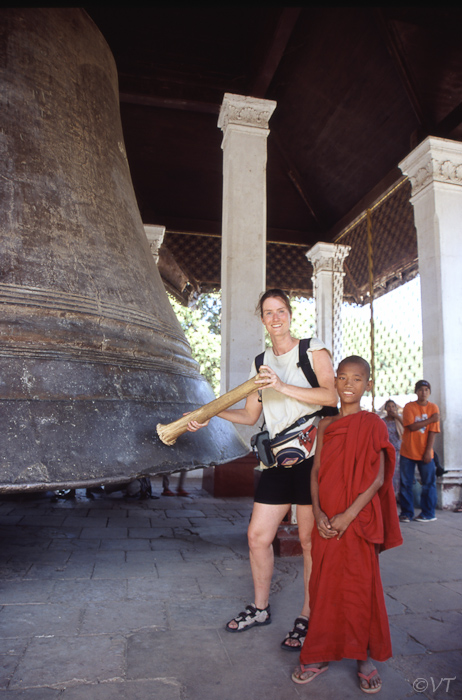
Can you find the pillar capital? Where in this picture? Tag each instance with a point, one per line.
(328, 257)
(155, 236)
(435, 160)
(243, 113)
(327, 260)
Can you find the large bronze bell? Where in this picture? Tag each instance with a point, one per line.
(92, 356)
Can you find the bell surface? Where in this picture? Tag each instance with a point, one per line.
(92, 355)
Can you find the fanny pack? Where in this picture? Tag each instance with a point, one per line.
(287, 448)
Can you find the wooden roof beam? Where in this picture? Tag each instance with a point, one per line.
(269, 56)
(391, 41)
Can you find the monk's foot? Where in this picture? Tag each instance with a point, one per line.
(369, 679)
(306, 674)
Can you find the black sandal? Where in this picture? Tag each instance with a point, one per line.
(250, 617)
(298, 633)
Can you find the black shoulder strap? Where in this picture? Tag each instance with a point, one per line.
(259, 360)
(304, 362)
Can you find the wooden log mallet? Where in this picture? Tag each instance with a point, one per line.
(171, 431)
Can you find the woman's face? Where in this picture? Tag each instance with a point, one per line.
(390, 408)
(276, 316)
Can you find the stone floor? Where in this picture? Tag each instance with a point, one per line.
(119, 598)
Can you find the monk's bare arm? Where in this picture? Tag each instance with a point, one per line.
(322, 521)
(342, 521)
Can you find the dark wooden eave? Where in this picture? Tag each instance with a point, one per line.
(356, 90)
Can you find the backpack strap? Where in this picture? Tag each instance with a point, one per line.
(259, 360)
(304, 362)
(305, 365)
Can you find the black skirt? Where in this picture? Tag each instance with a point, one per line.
(279, 485)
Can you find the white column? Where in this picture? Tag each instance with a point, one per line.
(244, 122)
(155, 236)
(327, 260)
(435, 172)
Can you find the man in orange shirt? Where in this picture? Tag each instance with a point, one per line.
(421, 423)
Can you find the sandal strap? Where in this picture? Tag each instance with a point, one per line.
(298, 633)
(302, 623)
(250, 613)
(370, 676)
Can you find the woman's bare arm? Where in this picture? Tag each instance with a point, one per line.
(324, 395)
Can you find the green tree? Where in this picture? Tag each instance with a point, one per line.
(201, 326)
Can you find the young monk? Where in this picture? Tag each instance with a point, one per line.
(356, 516)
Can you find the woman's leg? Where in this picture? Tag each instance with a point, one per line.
(262, 530)
(263, 527)
(305, 520)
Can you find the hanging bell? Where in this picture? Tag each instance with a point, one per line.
(92, 356)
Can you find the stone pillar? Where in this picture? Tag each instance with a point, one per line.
(434, 169)
(327, 260)
(155, 236)
(244, 122)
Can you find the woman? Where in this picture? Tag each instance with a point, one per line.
(285, 397)
(394, 424)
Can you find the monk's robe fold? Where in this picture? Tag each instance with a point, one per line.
(348, 614)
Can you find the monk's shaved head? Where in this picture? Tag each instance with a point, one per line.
(355, 359)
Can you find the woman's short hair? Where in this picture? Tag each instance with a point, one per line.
(271, 293)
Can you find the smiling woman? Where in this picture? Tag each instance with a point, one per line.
(289, 403)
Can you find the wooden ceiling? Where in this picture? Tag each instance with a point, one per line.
(356, 90)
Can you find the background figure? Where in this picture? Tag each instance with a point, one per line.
(180, 488)
(395, 428)
(421, 423)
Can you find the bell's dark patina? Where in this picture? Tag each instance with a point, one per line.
(92, 356)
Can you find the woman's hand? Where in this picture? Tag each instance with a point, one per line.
(325, 528)
(194, 425)
(267, 378)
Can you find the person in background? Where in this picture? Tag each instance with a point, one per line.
(421, 424)
(395, 428)
(180, 486)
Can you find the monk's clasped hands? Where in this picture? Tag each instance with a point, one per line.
(325, 528)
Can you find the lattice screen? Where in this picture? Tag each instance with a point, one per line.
(398, 340)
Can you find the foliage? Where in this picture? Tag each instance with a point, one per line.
(201, 325)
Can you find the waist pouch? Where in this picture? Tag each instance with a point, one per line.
(284, 449)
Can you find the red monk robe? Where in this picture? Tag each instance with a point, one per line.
(348, 614)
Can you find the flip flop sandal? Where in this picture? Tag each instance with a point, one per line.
(250, 617)
(368, 678)
(298, 633)
(306, 669)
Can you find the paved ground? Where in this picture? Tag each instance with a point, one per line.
(117, 598)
